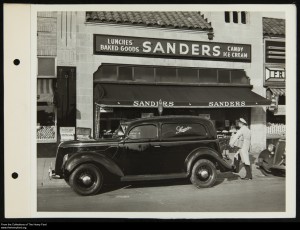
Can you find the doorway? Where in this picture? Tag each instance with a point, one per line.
(66, 96)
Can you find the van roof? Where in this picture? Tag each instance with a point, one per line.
(172, 118)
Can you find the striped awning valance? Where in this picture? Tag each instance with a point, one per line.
(45, 90)
(277, 91)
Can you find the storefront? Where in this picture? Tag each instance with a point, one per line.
(46, 111)
(121, 95)
(274, 76)
(127, 65)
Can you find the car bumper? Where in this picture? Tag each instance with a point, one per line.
(52, 175)
(277, 167)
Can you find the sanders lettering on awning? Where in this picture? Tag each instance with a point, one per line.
(149, 96)
(167, 104)
(152, 47)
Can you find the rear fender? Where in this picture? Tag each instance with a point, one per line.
(91, 157)
(206, 153)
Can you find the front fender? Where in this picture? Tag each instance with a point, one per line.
(91, 157)
(206, 153)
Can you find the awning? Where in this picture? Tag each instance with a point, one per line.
(45, 90)
(122, 95)
(277, 91)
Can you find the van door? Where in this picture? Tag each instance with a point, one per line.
(138, 158)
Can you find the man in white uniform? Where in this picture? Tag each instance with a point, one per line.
(243, 135)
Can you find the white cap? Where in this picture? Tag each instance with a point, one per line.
(243, 121)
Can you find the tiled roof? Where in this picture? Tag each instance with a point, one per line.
(171, 19)
(274, 27)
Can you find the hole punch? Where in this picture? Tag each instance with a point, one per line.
(16, 61)
(14, 175)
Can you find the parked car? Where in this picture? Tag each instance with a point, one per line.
(154, 148)
(272, 160)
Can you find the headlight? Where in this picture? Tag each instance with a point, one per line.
(65, 159)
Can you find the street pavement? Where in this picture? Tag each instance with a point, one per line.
(259, 195)
(230, 194)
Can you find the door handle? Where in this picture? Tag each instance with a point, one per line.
(157, 146)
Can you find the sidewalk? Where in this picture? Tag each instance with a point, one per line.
(253, 159)
(44, 164)
(43, 179)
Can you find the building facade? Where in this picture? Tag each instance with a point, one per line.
(274, 75)
(109, 67)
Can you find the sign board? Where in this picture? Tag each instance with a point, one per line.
(274, 51)
(106, 110)
(67, 133)
(275, 74)
(153, 47)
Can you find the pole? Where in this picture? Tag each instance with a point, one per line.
(97, 121)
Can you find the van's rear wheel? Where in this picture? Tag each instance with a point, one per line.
(86, 179)
(204, 174)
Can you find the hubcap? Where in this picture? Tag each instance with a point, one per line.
(86, 179)
(204, 173)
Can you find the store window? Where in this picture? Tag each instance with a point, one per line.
(188, 75)
(125, 74)
(239, 77)
(224, 76)
(143, 132)
(144, 74)
(162, 74)
(166, 75)
(106, 73)
(208, 76)
(46, 123)
(170, 131)
(46, 111)
(46, 67)
(46, 115)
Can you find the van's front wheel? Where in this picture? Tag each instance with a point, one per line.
(86, 179)
(204, 174)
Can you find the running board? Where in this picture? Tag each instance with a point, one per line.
(154, 177)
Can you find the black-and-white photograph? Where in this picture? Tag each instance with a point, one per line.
(161, 111)
(149, 112)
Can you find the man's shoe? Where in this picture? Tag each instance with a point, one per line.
(246, 178)
(234, 169)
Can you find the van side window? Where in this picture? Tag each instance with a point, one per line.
(143, 132)
(178, 130)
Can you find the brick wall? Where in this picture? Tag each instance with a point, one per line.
(249, 33)
(66, 38)
(46, 34)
